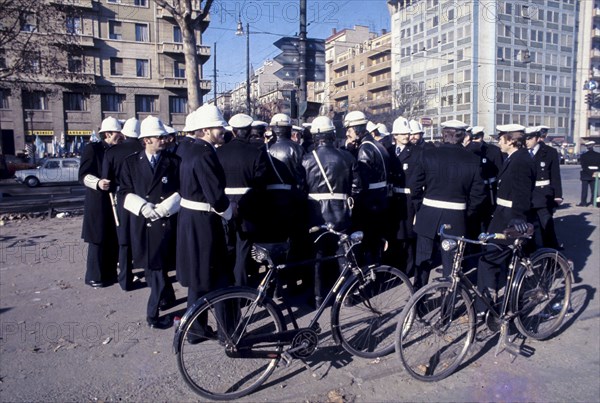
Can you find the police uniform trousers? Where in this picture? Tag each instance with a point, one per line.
(585, 184)
(125, 255)
(161, 289)
(428, 255)
(491, 274)
(102, 261)
(545, 226)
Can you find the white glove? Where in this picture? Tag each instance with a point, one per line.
(149, 212)
(161, 211)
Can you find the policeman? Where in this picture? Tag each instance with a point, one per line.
(331, 180)
(490, 158)
(191, 133)
(257, 131)
(373, 166)
(111, 170)
(590, 165)
(99, 226)
(245, 168)
(446, 188)
(515, 185)
(201, 247)
(384, 136)
(401, 251)
(416, 135)
(296, 136)
(547, 194)
(149, 188)
(285, 150)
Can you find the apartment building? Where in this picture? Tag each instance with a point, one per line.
(130, 62)
(359, 71)
(488, 62)
(587, 114)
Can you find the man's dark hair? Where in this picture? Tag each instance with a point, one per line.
(242, 133)
(517, 139)
(453, 136)
(282, 131)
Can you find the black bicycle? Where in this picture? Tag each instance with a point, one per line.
(231, 340)
(438, 325)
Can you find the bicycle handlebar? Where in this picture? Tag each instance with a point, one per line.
(482, 239)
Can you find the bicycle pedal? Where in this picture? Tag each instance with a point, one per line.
(287, 359)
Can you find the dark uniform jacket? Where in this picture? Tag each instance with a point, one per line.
(245, 168)
(448, 173)
(515, 185)
(290, 154)
(590, 163)
(98, 218)
(111, 170)
(547, 178)
(374, 170)
(402, 212)
(152, 242)
(341, 170)
(184, 146)
(201, 248)
(491, 160)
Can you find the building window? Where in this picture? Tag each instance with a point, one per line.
(35, 100)
(114, 30)
(4, 94)
(141, 33)
(178, 104)
(177, 37)
(75, 64)
(141, 68)
(74, 101)
(179, 69)
(145, 103)
(116, 66)
(2, 59)
(32, 62)
(114, 1)
(113, 102)
(141, 3)
(73, 25)
(28, 22)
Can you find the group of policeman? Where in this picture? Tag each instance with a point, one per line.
(197, 203)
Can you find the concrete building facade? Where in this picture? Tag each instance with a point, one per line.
(488, 62)
(130, 63)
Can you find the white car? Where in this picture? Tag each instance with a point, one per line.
(51, 171)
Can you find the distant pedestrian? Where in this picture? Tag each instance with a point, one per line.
(590, 165)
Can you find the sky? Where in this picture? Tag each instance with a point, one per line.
(272, 19)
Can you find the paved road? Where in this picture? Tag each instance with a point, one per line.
(61, 340)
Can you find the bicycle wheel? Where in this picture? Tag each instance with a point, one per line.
(364, 316)
(542, 295)
(435, 331)
(222, 320)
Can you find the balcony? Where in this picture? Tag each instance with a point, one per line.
(594, 113)
(596, 33)
(387, 65)
(378, 85)
(177, 48)
(74, 3)
(340, 80)
(595, 54)
(181, 83)
(163, 13)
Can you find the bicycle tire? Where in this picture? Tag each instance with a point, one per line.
(435, 331)
(205, 366)
(363, 319)
(542, 295)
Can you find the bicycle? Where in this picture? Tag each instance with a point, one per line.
(231, 340)
(437, 326)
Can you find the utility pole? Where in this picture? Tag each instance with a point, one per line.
(248, 69)
(302, 68)
(215, 71)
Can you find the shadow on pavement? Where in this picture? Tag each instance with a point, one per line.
(578, 247)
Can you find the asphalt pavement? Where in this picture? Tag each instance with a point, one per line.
(61, 340)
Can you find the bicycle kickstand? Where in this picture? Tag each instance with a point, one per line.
(505, 344)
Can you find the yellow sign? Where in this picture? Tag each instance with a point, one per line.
(40, 132)
(79, 132)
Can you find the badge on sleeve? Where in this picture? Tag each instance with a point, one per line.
(164, 179)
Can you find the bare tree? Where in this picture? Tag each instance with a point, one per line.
(189, 15)
(38, 42)
(409, 99)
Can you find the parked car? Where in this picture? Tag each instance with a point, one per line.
(9, 164)
(51, 171)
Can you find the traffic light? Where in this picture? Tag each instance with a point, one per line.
(589, 97)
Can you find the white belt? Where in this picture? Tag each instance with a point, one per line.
(236, 191)
(488, 181)
(194, 205)
(328, 196)
(542, 183)
(503, 202)
(593, 167)
(444, 204)
(377, 185)
(279, 186)
(405, 191)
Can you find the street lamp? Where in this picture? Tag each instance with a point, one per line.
(239, 32)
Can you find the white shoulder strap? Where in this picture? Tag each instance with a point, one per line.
(323, 171)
